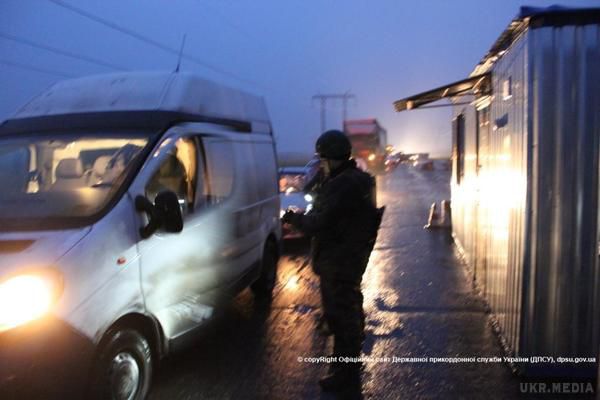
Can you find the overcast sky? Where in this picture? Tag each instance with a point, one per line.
(284, 50)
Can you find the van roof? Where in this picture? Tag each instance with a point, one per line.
(165, 97)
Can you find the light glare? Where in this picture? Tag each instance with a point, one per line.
(23, 299)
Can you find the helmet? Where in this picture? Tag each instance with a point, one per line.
(333, 145)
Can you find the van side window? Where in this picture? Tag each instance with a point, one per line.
(220, 168)
(14, 167)
(177, 173)
(266, 168)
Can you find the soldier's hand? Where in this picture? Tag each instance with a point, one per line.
(288, 217)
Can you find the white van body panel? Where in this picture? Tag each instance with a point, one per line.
(89, 264)
(46, 248)
(185, 274)
(178, 267)
(101, 274)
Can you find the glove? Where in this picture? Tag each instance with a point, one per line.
(288, 217)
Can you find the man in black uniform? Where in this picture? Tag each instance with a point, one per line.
(344, 223)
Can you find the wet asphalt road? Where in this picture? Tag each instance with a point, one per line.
(418, 302)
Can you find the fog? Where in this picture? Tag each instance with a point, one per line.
(287, 51)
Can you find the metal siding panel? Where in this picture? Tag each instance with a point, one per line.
(521, 148)
(535, 200)
(463, 194)
(529, 316)
(490, 204)
(470, 184)
(564, 263)
(483, 217)
(596, 302)
(586, 201)
(505, 187)
(545, 116)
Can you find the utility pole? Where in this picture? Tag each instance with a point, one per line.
(335, 96)
(347, 96)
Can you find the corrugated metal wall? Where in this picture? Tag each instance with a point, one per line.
(491, 199)
(526, 213)
(504, 189)
(464, 194)
(561, 291)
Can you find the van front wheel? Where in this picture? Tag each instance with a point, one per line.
(264, 285)
(124, 368)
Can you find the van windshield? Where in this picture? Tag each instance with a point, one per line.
(63, 177)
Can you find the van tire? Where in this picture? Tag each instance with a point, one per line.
(125, 360)
(264, 285)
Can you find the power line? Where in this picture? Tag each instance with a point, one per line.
(59, 51)
(243, 32)
(148, 40)
(33, 68)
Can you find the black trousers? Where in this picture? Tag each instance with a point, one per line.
(343, 310)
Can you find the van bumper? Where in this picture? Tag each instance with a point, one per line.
(44, 359)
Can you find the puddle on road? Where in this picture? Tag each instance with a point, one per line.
(385, 325)
(303, 308)
(293, 283)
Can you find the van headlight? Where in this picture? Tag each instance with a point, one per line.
(26, 297)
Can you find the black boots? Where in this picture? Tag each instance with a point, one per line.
(323, 327)
(343, 379)
(332, 382)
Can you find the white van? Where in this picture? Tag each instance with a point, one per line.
(131, 205)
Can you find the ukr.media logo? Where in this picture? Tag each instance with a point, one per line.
(557, 387)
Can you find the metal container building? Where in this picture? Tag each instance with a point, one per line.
(526, 140)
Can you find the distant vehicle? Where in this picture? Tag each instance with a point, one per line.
(422, 161)
(416, 159)
(292, 183)
(392, 161)
(369, 142)
(126, 216)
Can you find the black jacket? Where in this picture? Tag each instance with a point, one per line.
(343, 222)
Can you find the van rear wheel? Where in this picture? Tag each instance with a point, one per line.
(264, 285)
(124, 368)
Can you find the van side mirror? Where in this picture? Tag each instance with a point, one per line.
(164, 213)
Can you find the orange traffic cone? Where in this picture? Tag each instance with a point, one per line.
(434, 218)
